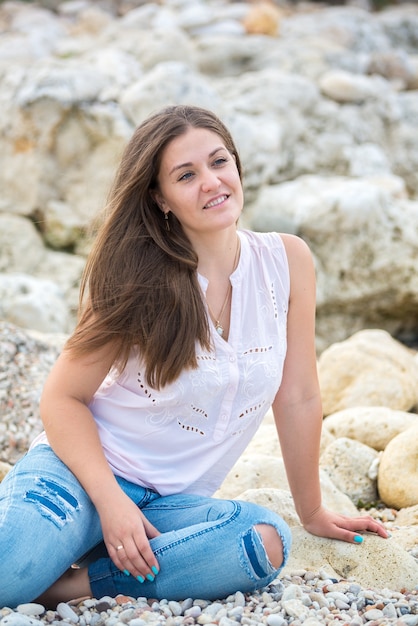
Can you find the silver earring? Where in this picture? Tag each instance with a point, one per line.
(167, 223)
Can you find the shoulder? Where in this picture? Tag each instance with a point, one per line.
(297, 249)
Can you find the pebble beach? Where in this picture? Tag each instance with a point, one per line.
(303, 597)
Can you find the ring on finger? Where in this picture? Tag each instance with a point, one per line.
(119, 548)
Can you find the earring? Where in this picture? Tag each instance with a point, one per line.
(167, 223)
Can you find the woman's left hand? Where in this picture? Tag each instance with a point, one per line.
(326, 523)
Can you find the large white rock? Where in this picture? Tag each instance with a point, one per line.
(254, 472)
(377, 563)
(168, 83)
(374, 426)
(35, 303)
(368, 369)
(398, 470)
(32, 32)
(22, 251)
(406, 537)
(67, 143)
(265, 442)
(348, 463)
(349, 26)
(408, 517)
(333, 498)
(61, 81)
(344, 86)
(258, 471)
(21, 246)
(278, 500)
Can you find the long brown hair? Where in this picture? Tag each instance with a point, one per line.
(140, 282)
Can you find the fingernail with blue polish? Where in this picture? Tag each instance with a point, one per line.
(154, 570)
(150, 577)
(125, 571)
(358, 539)
(140, 579)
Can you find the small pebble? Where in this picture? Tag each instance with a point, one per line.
(186, 604)
(373, 614)
(275, 620)
(67, 613)
(31, 608)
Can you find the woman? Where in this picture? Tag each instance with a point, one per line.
(190, 331)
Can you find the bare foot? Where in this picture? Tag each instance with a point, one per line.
(74, 583)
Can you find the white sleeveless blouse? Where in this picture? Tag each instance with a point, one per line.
(186, 437)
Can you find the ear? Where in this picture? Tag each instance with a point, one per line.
(158, 199)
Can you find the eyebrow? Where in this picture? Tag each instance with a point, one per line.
(189, 164)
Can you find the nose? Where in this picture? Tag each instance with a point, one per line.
(210, 180)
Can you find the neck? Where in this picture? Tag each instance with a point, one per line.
(218, 259)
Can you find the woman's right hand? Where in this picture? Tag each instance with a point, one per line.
(126, 533)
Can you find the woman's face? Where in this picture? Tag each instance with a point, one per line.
(199, 183)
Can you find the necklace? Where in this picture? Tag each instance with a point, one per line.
(218, 326)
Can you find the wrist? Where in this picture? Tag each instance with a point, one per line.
(104, 492)
(306, 516)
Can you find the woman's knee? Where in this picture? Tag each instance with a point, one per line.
(273, 544)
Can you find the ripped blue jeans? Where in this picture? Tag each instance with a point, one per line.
(208, 548)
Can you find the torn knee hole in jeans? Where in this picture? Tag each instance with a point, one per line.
(53, 501)
(256, 554)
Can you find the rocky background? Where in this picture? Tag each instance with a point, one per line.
(323, 103)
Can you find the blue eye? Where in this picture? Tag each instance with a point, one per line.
(220, 161)
(186, 176)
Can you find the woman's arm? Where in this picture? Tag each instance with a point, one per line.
(297, 407)
(73, 435)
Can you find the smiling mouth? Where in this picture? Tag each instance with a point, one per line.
(213, 203)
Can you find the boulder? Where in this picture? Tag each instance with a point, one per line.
(254, 472)
(397, 480)
(333, 498)
(21, 245)
(344, 86)
(33, 303)
(265, 442)
(348, 464)
(257, 471)
(167, 83)
(278, 500)
(406, 537)
(377, 563)
(408, 516)
(374, 426)
(368, 369)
